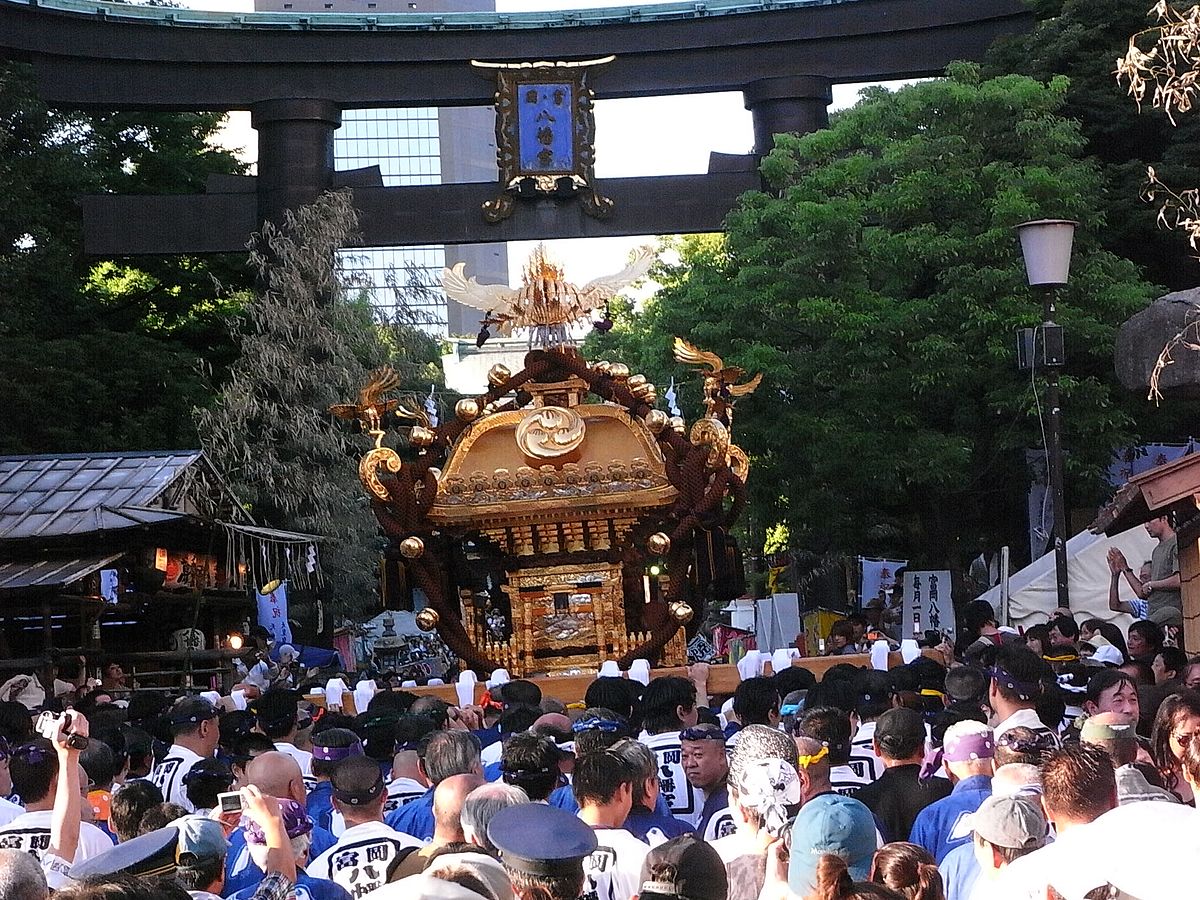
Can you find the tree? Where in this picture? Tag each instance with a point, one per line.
(101, 354)
(1084, 39)
(306, 343)
(877, 284)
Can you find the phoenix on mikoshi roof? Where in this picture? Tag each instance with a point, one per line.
(546, 302)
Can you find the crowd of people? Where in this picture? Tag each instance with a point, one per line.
(1060, 763)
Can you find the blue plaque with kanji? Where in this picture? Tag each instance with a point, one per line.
(545, 131)
(545, 128)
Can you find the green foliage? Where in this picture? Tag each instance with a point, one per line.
(101, 354)
(877, 286)
(305, 343)
(1082, 39)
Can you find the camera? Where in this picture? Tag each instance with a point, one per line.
(230, 802)
(47, 723)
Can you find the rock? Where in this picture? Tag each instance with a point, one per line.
(1142, 338)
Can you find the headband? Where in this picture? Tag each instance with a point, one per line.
(931, 692)
(595, 723)
(360, 798)
(703, 733)
(805, 761)
(969, 747)
(336, 754)
(1024, 690)
(32, 754)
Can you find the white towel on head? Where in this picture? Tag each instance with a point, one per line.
(239, 699)
(909, 650)
(363, 692)
(781, 659)
(465, 687)
(639, 670)
(335, 691)
(879, 655)
(499, 677)
(609, 669)
(750, 665)
(212, 697)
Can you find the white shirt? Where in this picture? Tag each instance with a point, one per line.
(363, 858)
(400, 791)
(168, 775)
(1069, 864)
(1022, 718)
(865, 763)
(684, 801)
(33, 694)
(31, 832)
(9, 811)
(491, 753)
(614, 870)
(303, 759)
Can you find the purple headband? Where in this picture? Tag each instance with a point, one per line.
(1023, 689)
(969, 747)
(336, 754)
(295, 820)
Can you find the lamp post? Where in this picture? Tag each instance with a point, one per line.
(1046, 247)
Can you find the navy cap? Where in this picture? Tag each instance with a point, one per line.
(189, 710)
(154, 854)
(277, 707)
(209, 769)
(541, 840)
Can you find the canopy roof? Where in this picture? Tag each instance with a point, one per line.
(58, 495)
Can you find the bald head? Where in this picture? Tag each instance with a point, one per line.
(448, 799)
(1015, 779)
(277, 774)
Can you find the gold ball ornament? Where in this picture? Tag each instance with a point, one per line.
(658, 543)
(681, 612)
(420, 436)
(427, 619)
(467, 409)
(656, 420)
(604, 367)
(636, 381)
(678, 425)
(620, 370)
(412, 547)
(498, 374)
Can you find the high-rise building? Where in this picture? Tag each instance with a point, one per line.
(417, 145)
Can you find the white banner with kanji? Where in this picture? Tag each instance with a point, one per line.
(273, 613)
(927, 604)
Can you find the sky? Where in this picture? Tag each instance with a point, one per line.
(674, 136)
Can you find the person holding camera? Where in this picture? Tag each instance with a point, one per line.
(42, 769)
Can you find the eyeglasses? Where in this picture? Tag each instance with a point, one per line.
(703, 733)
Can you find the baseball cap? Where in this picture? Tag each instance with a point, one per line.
(190, 710)
(898, 730)
(200, 838)
(210, 769)
(685, 868)
(832, 824)
(1016, 823)
(295, 821)
(1108, 655)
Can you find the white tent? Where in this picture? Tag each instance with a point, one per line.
(1033, 592)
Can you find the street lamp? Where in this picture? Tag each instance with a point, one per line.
(1046, 247)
